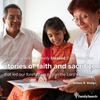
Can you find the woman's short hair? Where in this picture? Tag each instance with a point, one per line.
(54, 23)
(87, 5)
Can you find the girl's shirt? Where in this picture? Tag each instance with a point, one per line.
(55, 56)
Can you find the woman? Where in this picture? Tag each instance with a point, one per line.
(85, 53)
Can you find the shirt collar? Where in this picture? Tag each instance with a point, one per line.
(5, 33)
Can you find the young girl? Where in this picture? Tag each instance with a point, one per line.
(57, 51)
(55, 55)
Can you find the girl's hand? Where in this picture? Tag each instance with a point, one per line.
(56, 74)
(52, 73)
(42, 78)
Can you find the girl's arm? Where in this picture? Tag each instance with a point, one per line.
(45, 65)
(70, 69)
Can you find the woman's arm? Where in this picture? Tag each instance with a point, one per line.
(81, 84)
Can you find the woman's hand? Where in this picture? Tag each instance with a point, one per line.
(69, 86)
(77, 85)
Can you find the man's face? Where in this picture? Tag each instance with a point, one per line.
(13, 20)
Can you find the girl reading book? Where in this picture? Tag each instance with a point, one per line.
(56, 53)
(57, 48)
(55, 56)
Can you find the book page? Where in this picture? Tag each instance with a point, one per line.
(32, 84)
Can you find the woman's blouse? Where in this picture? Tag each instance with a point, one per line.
(87, 57)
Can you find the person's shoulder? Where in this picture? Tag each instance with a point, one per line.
(1, 35)
(69, 44)
(46, 49)
(29, 34)
(27, 31)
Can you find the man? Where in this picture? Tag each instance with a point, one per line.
(16, 45)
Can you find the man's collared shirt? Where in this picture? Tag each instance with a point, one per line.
(17, 51)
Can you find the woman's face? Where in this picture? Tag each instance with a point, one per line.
(56, 37)
(86, 20)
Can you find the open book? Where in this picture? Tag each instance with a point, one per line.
(32, 84)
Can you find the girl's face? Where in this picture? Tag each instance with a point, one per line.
(86, 20)
(56, 37)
